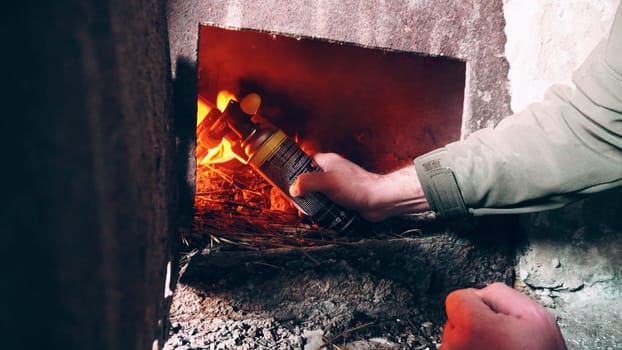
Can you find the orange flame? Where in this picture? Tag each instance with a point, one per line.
(223, 98)
(223, 152)
(307, 147)
(203, 109)
(219, 154)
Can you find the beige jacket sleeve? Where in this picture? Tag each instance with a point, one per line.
(552, 153)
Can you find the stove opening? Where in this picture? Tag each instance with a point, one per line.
(377, 107)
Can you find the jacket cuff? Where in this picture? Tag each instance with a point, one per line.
(439, 184)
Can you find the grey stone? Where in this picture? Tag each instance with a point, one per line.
(251, 331)
(313, 339)
(267, 334)
(555, 263)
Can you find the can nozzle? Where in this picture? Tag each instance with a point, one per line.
(211, 126)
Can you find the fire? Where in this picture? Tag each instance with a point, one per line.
(219, 154)
(203, 109)
(223, 152)
(223, 98)
(307, 147)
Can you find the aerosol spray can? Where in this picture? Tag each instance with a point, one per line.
(279, 160)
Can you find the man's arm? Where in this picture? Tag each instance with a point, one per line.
(552, 153)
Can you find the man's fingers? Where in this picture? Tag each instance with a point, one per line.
(449, 336)
(465, 308)
(328, 161)
(321, 181)
(467, 315)
(487, 318)
(308, 182)
(506, 300)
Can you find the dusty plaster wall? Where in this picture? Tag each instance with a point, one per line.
(572, 262)
(547, 40)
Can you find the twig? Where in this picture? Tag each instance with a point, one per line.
(346, 332)
(266, 264)
(314, 260)
(220, 173)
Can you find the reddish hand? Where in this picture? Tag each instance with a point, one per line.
(498, 317)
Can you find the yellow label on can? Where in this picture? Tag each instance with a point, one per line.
(268, 148)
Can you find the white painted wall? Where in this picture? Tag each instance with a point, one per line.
(548, 39)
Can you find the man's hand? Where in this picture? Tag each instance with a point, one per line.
(374, 196)
(498, 317)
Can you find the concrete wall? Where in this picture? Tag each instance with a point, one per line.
(450, 28)
(547, 40)
(572, 261)
(89, 199)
